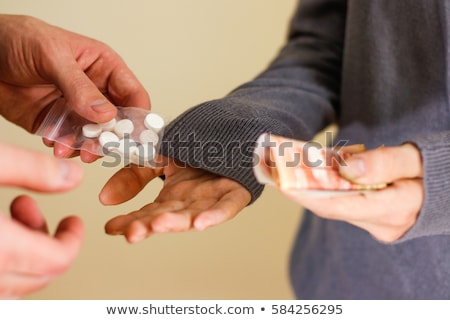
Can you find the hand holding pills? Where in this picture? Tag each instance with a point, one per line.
(134, 133)
(39, 64)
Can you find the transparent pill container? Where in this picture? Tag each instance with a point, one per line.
(134, 134)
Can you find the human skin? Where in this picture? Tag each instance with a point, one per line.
(39, 63)
(193, 198)
(30, 257)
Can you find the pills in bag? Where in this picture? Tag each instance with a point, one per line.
(134, 133)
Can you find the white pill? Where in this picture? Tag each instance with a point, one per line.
(109, 140)
(148, 136)
(124, 127)
(108, 126)
(91, 130)
(128, 147)
(146, 152)
(154, 121)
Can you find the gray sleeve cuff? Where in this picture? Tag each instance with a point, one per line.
(219, 136)
(434, 217)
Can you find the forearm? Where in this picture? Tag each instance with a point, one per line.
(295, 97)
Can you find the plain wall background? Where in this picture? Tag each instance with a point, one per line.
(184, 53)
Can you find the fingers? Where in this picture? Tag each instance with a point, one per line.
(25, 210)
(33, 259)
(36, 171)
(48, 143)
(142, 228)
(397, 211)
(31, 252)
(62, 151)
(154, 217)
(125, 89)
(126, 183)
(190, 198)
(178, 216)
(371, 203)
(97, 66)
(80, 92)
(88, 157)
(15, 285)
(347, 151)
(386, 214)
(383, 165)
(70, 234)
(143, 223)
(225, 209)
(52, 256)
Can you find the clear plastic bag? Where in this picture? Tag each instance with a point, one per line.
(134, 135)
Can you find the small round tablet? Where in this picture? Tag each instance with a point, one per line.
(154, 121)
(148, 136)
(123, 127)
(109, 140)
(91, 130)
(108, 126)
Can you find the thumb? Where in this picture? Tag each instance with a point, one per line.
(82, 94)
(125, 184)
(37, 171)
(383, 165)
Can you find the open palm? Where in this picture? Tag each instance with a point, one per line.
(190, 199)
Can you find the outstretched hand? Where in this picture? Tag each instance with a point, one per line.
(29, 256)
(190, 199)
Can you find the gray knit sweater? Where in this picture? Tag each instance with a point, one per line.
(379, 70)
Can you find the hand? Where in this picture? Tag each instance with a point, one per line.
(40, 62)
(190, 199)
(386, 214)
(29, 257)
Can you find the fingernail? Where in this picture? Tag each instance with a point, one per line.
(101, 105)
(354, 167)
(69, 171)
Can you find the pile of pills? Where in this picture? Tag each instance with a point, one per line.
(135, 138)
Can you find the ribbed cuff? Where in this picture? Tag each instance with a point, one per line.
(434, 218)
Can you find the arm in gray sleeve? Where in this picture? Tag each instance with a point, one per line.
(296, 96)
(434, 141)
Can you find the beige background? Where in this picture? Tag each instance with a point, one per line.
(184, 52)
